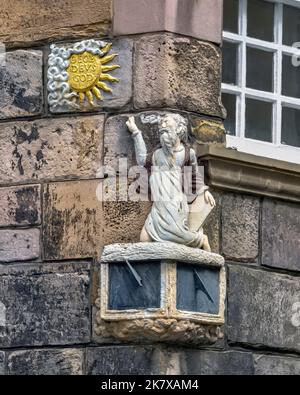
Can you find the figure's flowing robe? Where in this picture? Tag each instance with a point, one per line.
(168, 218)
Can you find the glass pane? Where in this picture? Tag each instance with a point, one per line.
(125, 292)
(229, 64)
(290, 77)
(258, 120)
(290, 133)
(231, 15)
(259, 69)
(197, 289)
(229, 102)
(291, 25)
(260, 23)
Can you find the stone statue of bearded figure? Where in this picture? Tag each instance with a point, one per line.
(174, 216)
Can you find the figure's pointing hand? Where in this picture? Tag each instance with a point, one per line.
(132, 125)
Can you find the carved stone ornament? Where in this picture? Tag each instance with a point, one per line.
(160, 292)
(79, 72)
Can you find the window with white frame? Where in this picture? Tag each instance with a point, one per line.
(261, 77)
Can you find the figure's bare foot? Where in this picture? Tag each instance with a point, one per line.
(144, 237)
(205, 244)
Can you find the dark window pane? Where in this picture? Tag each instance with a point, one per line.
(260, 21)
(291, 25)
(290, 77)
(229, 102)
(231, 15)
(230, 57)
(124, 291)
(197, 289)
(290, 133)
(259, 120)
(259, 69)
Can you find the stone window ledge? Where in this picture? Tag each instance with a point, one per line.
(236, 171)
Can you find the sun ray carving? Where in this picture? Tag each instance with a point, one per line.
(86, 71)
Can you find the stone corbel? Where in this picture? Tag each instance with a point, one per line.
(232, 170)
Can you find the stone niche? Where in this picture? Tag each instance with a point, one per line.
(161, 292)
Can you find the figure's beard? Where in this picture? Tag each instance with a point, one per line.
(168, 141)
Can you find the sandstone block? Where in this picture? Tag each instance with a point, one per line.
(120, 360)
(2, 363)
(262, 309)
(73, 224)
(275, 365)
(45, 362)
(281, 235)
(21, 83)
(240, 219)
(212, 225)
(173, 71)
(208, 131)
(199, 362)
(19, 245)
(24, 22)
(44, 305)
(20, 205)
(51, 149)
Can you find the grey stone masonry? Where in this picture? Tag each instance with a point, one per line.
(262, 309)
(281, 235)
(240, 223)
(21, 84)
(276, 365)
(20, 205)
(200, 362)
(2, 357)
(43, 149)
(110, 360)
(45, 362)
(19, 244)
(44, 304)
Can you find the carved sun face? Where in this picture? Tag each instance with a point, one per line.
(87, 72)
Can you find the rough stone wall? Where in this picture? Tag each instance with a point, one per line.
(52, 226)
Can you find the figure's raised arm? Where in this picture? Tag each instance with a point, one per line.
(139, 143)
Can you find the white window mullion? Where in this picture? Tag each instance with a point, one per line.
(243, 70)
(278, 74)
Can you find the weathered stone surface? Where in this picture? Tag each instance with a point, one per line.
(274, 365)
(25, 22)
(217, 363)
(123, 221)
(73, 225)
(121, 91)
(20, 205)
(172, 71)
(208, 131)
(21, 83)
(281, 235)
(2, 362)
(240, 219)
(261, 308)
(160, 251)
(19, 245)
(212, 225)
(201, 19)
(118, 142)
(51, 149)
(44, 305)
(120, 360)
(45, 362)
